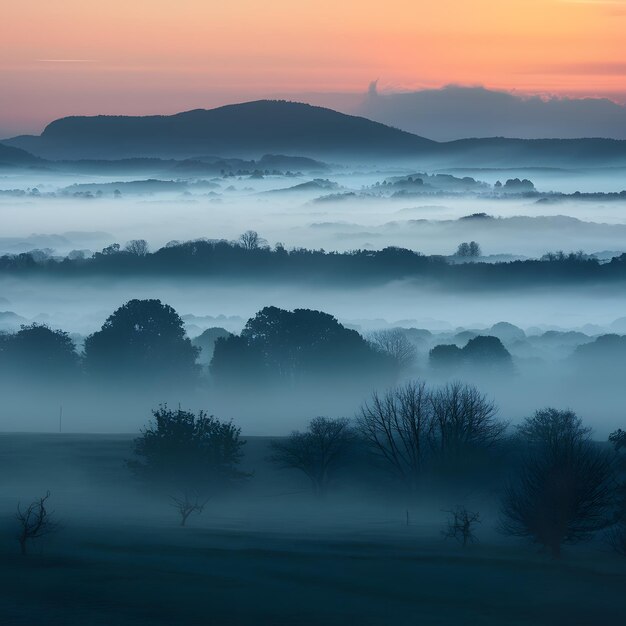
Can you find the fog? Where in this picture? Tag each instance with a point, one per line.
(337, 208)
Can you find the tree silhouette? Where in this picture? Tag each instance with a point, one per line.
(317, 452)
(395, 343)
(487, 352)
(187, 452)
(142, 341)
(34, 521)
(565, 491)
(292, 346)
(250, 240)
(464, 423)
(461, 525)
(396, 426)
(37, 351)
(138, 247)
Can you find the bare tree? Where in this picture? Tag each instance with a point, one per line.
(186, 504)
(461, 524)
(463, 419)
(396, 426)
(138, 247)
(396, 344)
(616, 538)
(317, 452)
(34, 522)
(251, 240)
(565, 491)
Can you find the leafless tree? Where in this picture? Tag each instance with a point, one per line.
(561, 496)
(138, 247)
(461, 524)
(463, 419)
(396, 344)
(186, 504)
(34, 522)
(616, 538)
(317, 452)
(396, 426)
(251, 240)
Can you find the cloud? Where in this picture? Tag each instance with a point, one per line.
(462, 112)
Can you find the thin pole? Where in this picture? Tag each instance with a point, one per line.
(61, 418)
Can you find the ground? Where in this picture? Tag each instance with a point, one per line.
(125, 561)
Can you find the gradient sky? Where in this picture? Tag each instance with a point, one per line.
(63, 57)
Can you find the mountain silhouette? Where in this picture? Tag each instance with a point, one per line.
(15, 157)
(249, 129)
(252, 129)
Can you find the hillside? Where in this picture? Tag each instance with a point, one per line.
(15, 157)
(265, 127)
(249, 129)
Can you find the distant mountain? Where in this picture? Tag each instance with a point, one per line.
(14, 157)
(249, 129)
(464, 112)
(253, 129)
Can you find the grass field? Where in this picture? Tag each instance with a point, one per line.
(267, 556)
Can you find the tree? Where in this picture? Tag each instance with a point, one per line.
(183, 451)
(461, 525)
(113, 248)
(565, 489)
(445, 357)
(553, 430)
(38, 351)
(474, 249)
(396, 426)
(396, 344)
(143, 341)
(34, 522)
(186, 504)
(468, 250)
(317, 452)
(206, 342)
(250, 240)
(292, 346)
(463, 250)
(463, 422)
(138, 247)
(488, 352)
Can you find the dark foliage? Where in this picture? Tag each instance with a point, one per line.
(289, 347)
(142, 342)
(565, 490)
(38, 352)
(480, 353)
(185, 451)
(223, 259)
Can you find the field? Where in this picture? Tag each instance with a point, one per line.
(268, 555)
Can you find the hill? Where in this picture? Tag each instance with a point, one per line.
(249, 129)
(277, 127)
(15, 157)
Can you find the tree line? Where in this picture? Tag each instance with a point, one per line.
(143, 344)
(251, 257)
(555, 485)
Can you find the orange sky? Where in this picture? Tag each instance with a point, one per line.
(61, 57)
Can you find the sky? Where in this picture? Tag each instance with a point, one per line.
(71, 57)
